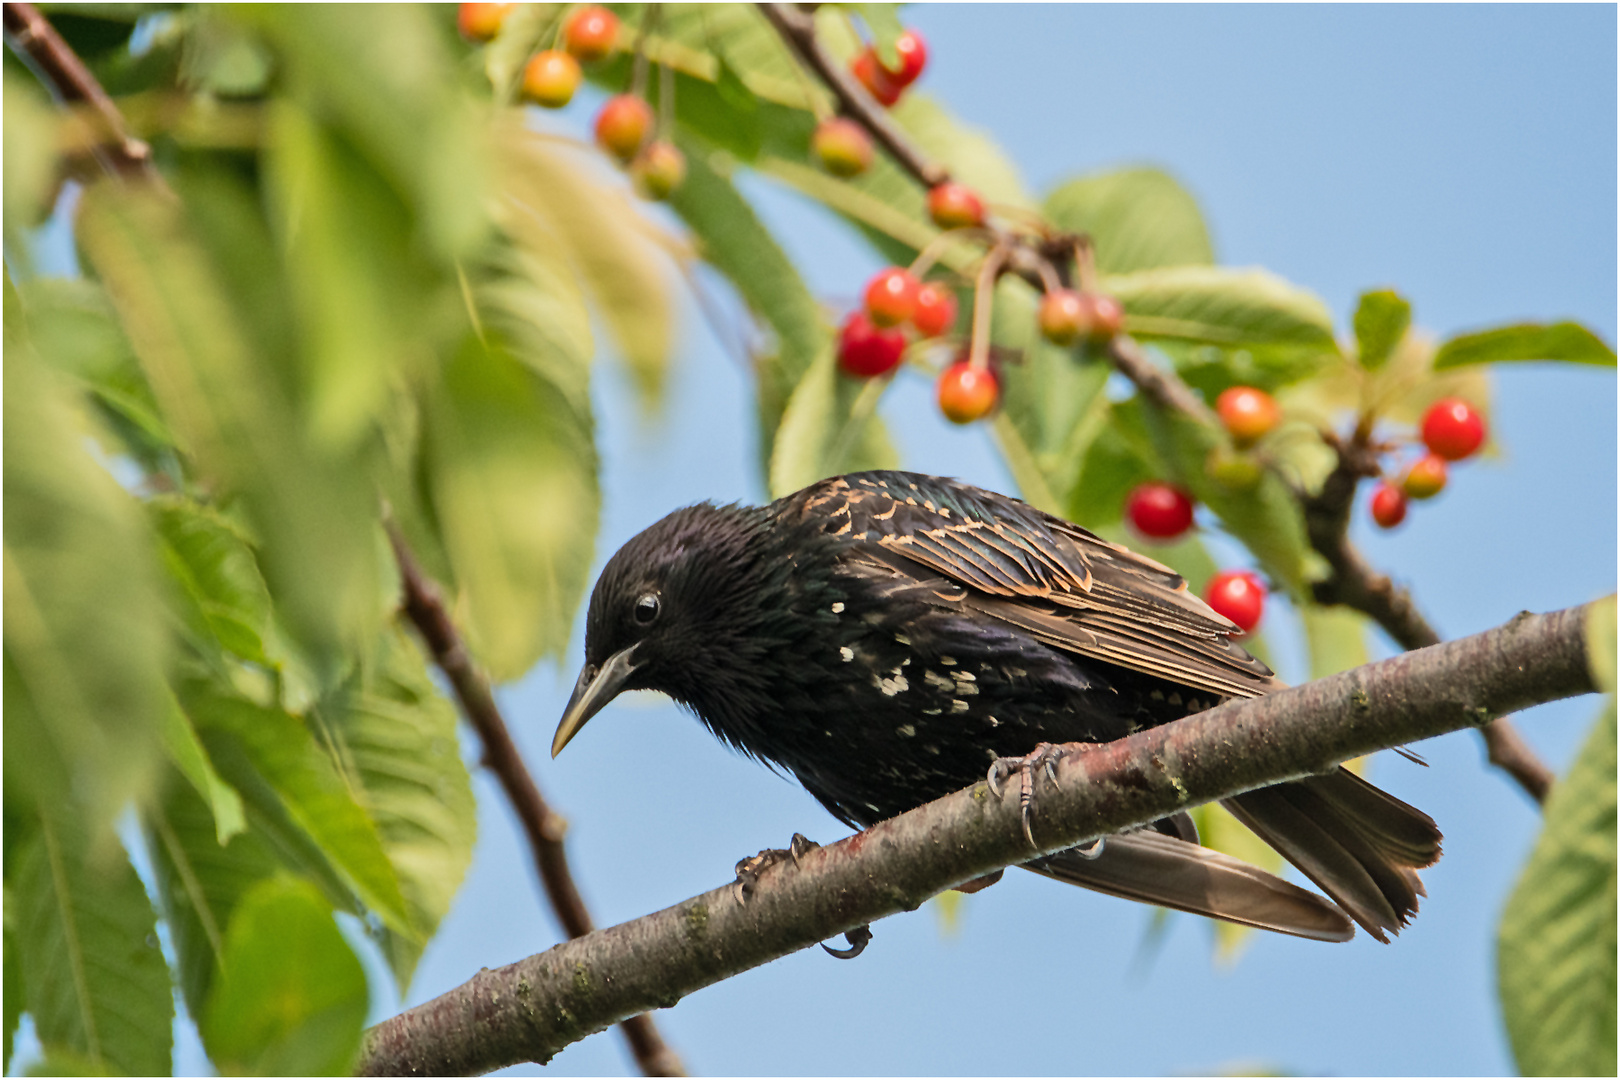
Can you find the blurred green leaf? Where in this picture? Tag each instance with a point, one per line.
(200, 879)
(1382, 318)
(829, 427)
(221, 58)
(13, 994)
(732, 239)
(95, 978)
(1567, 341)
(972, 155)
(385, 78)
(883, 20)
(314, 516)
(612, 246)
(1600, 643)
(1138, 219)
(286, 755)
(211, 562)
(1113, 463)
(84, 649)
(30, 157)
(364, 293)
(512, 472)
(395, 736)
(1336, 638)
(292, 999)
(188, 755)
(1221, 306)
(1556, 946)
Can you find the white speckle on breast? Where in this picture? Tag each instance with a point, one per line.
(1174, 698)
(891, 687)
(948, 661)
(905, 731)
(964, 676)
(958, 705)
(901, 639)
(931, 748)
(838, 608)
(938, 681)
(846, 652)
(992, 721)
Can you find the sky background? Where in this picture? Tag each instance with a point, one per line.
(1465, 155)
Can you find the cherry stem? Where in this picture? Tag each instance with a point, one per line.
(984, 298)
(1085, 263)
(666, 102)
(1050, 282)
(929, 255)
(638, 70)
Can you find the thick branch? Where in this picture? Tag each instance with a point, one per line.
(544, 827)
(61, 69)
(529, 1010)
(1356, 585)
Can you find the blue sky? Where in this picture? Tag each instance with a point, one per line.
(1463, 154)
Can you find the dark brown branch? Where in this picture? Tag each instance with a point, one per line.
(60, 67)
(531, 1009)
(1356, 585)
(797, 28)
(544, 827)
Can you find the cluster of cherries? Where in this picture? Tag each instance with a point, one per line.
(550, 78)
(1452, 430)
(842, 145)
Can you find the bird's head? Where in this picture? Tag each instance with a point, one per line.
(662, 605)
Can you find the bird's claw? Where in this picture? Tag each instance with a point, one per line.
(1044, 757)
(858, 939)
(750, 869)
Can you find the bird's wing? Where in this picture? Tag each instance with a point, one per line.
(1061, 584)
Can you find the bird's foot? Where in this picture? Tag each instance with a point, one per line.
(1044, 757)
(857, 938)
(750, 869)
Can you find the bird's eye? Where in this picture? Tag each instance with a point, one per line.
(647, 609)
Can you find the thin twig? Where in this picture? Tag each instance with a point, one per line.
(543, 826)
(797, 28)
(531, 1009)
(61, 69)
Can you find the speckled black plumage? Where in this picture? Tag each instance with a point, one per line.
(885, 636)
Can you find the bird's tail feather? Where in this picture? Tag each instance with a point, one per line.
(1158, 869)
(1360, 844)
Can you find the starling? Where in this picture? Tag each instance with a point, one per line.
(886, 636)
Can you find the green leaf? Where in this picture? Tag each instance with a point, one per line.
(884, 22)
(1220, 306)
(395, 736)
(206, 358)
(1555, 956)
(188, 755)
(1336, 638)
(1600, 643)
(13, 995)
(30, 156)
(512, 474)
(96, 982)
(732, 239)
(1138, 219)
(614, 249)
(84, 649)
(200, 879)
(293, 997)
(971, 155)
(284, 753)
(210, 561)
(1381, 321)
(829, 428)
(1567, 341)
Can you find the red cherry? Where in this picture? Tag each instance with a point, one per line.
(481, 22)
(1239, 595)
(865, 350)
(1388, 506)
(955, 206)
(967, 393)
(842, 146)
(913, 52)
(622, 126)
(878, 82)
(658, 170)
(591, 32)
(891, 296)
(1452, 429)
(1426, 478)
(1159, 511)
(1248, 413)
(1105, 318)
(550, 78)
(936, 310)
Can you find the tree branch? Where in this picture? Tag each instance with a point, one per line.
(1356, 585)
(530, 1010)
(544, 827)
(60, 68)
